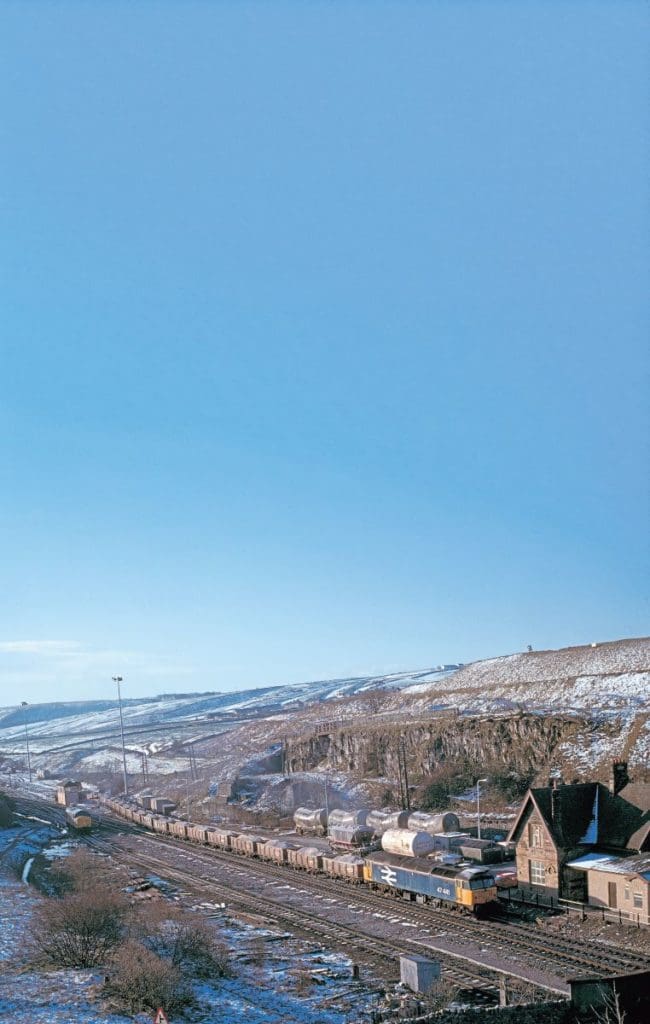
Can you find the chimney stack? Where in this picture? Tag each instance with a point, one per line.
(619, 777)
(556, 807)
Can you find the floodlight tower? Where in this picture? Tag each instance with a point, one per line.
(118, 680)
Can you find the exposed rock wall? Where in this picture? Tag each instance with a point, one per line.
(523, 743)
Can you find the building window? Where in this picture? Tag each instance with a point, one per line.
(638, 900)
(534, 836)
(627, 892)
(537, 873)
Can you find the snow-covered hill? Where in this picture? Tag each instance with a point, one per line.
(605, 685)
(150, 721)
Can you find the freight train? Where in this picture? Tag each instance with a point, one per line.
(469, 889)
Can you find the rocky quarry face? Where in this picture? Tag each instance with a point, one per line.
(522, 743)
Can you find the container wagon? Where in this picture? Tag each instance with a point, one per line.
(451, 840)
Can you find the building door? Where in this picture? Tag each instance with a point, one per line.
(611, 894)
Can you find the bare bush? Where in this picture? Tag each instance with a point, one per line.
(183, 938)
(7, 808)
(141, 980)
(81, 872)
(80, 930)
(87, 921)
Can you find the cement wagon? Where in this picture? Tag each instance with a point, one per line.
(348, 819)
(407, 843)
(309, 821)
(381, 821)
(420, 821)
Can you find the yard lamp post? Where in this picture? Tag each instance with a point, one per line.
(478, 807)
(118, 680)
(24, 704)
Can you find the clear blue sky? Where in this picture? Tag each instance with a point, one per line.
(324, 343)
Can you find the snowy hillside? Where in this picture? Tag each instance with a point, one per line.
(607, 683)
(153, 723)
(606, 686)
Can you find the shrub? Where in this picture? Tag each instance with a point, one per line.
(86, 920)
(141, 980)
(80, 930)
(182, 938)
(7, 807)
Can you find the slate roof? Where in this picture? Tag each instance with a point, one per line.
(639, 865)
(586, 814)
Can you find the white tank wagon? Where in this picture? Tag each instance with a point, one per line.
(309, 821)
(348, 819)
(381, 821)
(407, 843)
(420, 821)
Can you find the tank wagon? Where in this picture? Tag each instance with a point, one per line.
(348, 819)
(310, 822)
(420, 821)
(406, 843)
(349, 837)
(381, 821)
(470, 889)
(78, 818)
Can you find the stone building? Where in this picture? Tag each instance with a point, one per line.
(560, 823)
(621, 884)
(69, 793)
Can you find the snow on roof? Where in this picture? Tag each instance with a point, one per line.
(626, 865)
(591, 860)
(591, 834)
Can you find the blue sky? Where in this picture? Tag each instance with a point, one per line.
(324, 344)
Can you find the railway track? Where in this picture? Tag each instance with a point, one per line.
(515, 944)
(378, 956)
(558, 955)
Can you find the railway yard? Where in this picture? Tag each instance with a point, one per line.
(369, 927)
